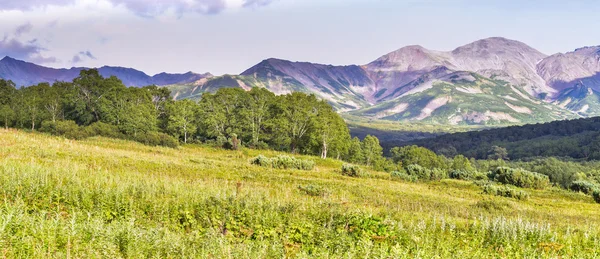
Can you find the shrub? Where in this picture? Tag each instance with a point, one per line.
(505, 191)
(351, 170)
(596, 195)
(583, 186)
(288, 162)
(520, 177)
(467, 175)
(402, 175)
(104, 130)
(68, 129)
(153, 138)
(261, 160)
(313, 190)
(424, 174)
(283, 162)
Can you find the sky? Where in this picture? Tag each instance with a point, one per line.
(229, 36)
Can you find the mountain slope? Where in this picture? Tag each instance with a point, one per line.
(464, 98)
(25, 74)
(343, 85)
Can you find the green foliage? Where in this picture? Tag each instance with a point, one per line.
(288, 162)
(352, 170)
(497, 153)
(462, 163)
(182, 118)
(596, 195)
(313, 190)
(105, 130)
(467, 175)
(414, 155)
(505, 191)
(371, 150)
(283, 162)
(402, 175)
(578, 139)
(229, 118)
(67, 129)
(153, 138)
(560, 172)
(583, 186)
(261, 160)
(423, 174)
(520, 177)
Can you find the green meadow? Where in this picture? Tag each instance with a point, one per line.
(107, 198)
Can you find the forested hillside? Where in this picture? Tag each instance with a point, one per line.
(578, 139)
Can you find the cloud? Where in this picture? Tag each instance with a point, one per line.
(146, 8)
(76, 59)
(26, 51)
(87, 54)
(26, 5)
(82, 55)
(39, 59)
(151, 8)
(256, 3)
(22, 29)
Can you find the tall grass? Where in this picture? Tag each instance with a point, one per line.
(104, 198)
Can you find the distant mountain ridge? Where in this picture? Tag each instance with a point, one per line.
(492, 81)
(25, 74)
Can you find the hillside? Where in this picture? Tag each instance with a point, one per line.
(464, 98)
(576, 139)
(111, 198)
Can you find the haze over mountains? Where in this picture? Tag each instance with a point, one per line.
(490, 81)
(25, 74)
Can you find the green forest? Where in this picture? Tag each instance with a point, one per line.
(572, 139)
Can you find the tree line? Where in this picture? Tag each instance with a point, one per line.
(231, 117)
(577, 139)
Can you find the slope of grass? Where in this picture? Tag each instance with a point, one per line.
(112, 198)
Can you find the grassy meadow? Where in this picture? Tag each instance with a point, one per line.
(106, 198)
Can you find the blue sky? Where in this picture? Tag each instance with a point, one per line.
(228, 36)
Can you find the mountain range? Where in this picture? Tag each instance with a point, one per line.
(25, 74)
(490, 81)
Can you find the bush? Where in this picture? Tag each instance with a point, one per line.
(104, 130)
(583, 186)
(467, 175)
(68, 129)
(417, 155)
(424, 174)
(313, 190)
(596, 195)
(520, 177)
(283, 162)
(351, 170)
(153, 138)
(261, 160)
(288, 162)
(402, 175)
(505, 191)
